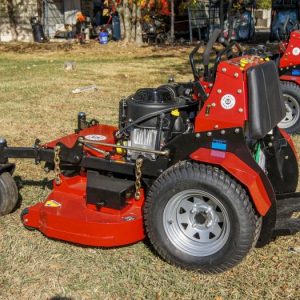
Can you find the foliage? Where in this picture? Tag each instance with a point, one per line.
(264, 4)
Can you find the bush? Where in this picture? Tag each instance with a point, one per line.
(264, 4)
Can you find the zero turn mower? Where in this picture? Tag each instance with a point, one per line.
(206, 176)
(287, 59)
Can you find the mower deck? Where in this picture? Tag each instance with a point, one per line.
(65, 215)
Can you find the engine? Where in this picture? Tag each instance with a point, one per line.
(150, 118)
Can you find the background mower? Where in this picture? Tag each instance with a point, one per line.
(204, 177)
(287, 59)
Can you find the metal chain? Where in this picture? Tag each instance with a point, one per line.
(56, 165)
(138, 176)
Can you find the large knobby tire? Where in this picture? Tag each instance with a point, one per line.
(291, 95)
(199, 218)
(8, 194)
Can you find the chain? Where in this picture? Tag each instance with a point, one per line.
(138, 176)
(56, 165)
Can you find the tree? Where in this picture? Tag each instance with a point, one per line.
(131, 13)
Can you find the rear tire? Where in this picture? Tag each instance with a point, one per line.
(291, 94)
(8, 194)
(199, 218)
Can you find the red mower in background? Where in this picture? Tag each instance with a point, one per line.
(204, 177)
(289, 71)
(288, 62)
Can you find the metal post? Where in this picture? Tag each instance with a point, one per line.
(190, 25)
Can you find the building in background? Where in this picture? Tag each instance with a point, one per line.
(15, 16)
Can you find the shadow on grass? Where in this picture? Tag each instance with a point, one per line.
(57, 297)
(44, 183)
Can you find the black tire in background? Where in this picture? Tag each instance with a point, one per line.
(8, 194)
(291, 94)
(184, 234)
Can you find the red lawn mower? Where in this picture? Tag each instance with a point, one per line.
(204, 177)
(289, 71)
(288, 62)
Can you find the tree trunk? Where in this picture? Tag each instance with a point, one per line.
(172, 21)
(12, 19)
(127, 21)
(139, 32)
(120, 11)
(133, 22)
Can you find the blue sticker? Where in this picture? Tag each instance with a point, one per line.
(296, 72)
(219, 145)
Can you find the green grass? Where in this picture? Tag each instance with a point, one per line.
(36, 101)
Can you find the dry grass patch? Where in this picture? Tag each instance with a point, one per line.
(36, 101)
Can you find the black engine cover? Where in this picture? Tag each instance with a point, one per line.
(150, 100)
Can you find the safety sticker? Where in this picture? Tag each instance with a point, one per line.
(52, 203)
(296, 51)
(228, 101)
(95, 137)
(219, 145)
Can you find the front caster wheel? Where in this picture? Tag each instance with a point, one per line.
(8, 194)
(23, 215)
(199, 218)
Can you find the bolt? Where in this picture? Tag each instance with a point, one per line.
(223, 131)
(237, 130)
(270, 144)
(241, 110)
(224, 70)
(213, 104)
(198, 135)
(236, 75)
(219, 91)
(170, 222)
(210, 85)
(216, 126)
(209, 134)
(272, 137)
(239, 91)
(286, 157)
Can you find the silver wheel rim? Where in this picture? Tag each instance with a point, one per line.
(196, 222)
(292, 112)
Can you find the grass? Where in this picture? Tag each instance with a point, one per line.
(36, 101)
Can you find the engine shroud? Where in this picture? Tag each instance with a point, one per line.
(146, 101)
(154, 116)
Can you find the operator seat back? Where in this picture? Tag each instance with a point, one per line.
(266, 104)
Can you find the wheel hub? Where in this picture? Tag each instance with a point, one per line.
(292, 112)
(196, 222)
(202, 217)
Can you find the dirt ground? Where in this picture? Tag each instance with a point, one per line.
(36, 101)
